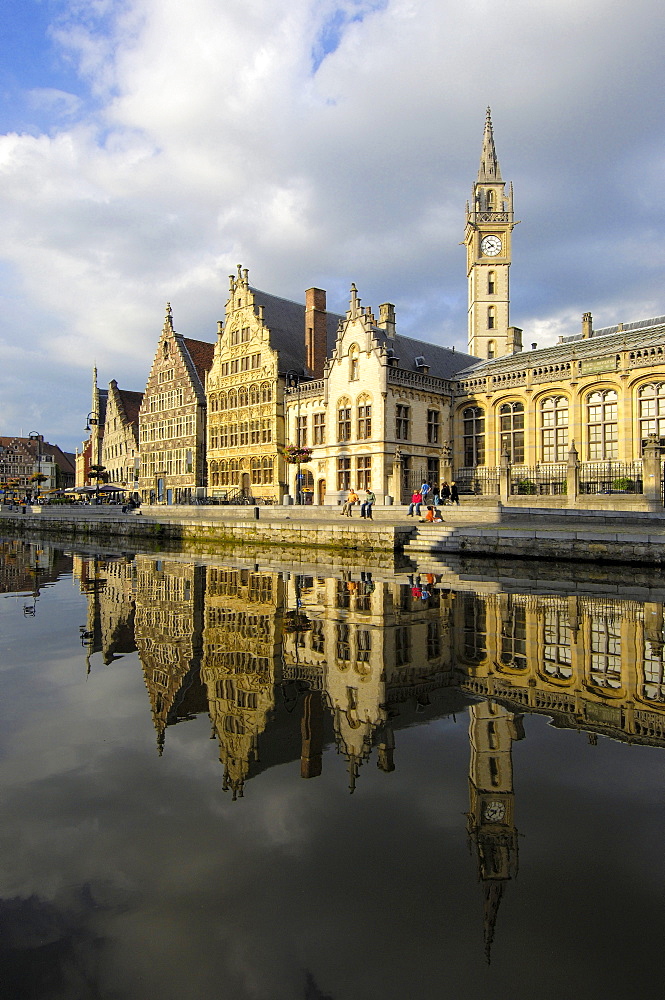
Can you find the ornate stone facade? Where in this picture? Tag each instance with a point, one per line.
(120, 446)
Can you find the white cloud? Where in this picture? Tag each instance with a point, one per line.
(207, 138)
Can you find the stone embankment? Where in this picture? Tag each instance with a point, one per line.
(472, 529)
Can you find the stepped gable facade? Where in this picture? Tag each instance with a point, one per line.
(264, 342)
(172, 418)
(120, 445)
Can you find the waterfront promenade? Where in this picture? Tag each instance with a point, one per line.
(473, 528)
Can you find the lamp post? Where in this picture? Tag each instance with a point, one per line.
(293, 382)
(38, 479)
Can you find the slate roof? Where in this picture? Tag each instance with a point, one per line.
(443, 362)
(286, 322)
(131, 404)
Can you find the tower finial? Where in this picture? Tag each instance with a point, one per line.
(489, 169)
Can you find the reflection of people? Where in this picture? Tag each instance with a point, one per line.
(454, 494)
(416, 500)
(351, 499)
(366, 505)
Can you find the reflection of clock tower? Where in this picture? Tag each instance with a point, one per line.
(491, 824)
(489, 224)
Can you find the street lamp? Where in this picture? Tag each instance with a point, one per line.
(293, 382)
(38, 479)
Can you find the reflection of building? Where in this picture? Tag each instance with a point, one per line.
(490, 820)
(27, 566)
(591, 663)
(169, 618)
(242, 637)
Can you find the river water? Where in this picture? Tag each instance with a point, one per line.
(236, 777)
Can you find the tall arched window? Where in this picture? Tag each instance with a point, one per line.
(233, 399)
(602, 425)
(223, 401)
(652, 410)
(491, 317)
(344, 420)
(491, 350)
(473, 418)
(364, 418)
(511, 417)
(490, 200)
(242, 396)
(254, 395)
(554, 429)
(491, 282)
(266, 392)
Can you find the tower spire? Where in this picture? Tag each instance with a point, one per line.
(489, 170)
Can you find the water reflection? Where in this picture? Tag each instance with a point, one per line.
(287, 665)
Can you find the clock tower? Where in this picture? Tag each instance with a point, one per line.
(489, 225)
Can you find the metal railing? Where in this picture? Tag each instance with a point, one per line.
(480, 481)
(610, 477)
(538, 480)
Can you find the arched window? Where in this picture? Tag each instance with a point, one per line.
(353, 363)
(491, 349)
(344, 420)
(255, 471)
(490, 200)
(490, 317)
(473, 418)
(364, 418)
(267, 464)
(652, 410)
(234, 472)
(254, 394)
(233, 399)
(242, 396)
(491, 282)
(554, 429)
(511, 422)
(214, 403)
(223, 401)
(266, 392)
(602, 425)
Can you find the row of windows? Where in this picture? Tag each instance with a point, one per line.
(602, 428)
(172, 463)
(229, 473)
(244, 396)
(238, 435)
(171, 427)
(363, 465)
(245, 364)
(166, 400)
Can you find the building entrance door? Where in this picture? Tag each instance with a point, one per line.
(321, 491)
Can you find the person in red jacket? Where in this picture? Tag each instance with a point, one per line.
(416, 500)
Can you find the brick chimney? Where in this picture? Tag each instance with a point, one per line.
(316, 338)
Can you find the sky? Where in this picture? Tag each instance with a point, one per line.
(148, 147)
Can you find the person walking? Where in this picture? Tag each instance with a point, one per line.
(424, 490)
(351, 499)
(414, 506)
(454, 494)
(367, 504)
(445, 492)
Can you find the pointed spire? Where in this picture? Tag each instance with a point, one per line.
(489, 169)
(168, 318)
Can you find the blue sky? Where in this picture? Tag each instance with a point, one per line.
(149, 146)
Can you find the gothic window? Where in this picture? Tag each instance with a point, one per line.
(513, 638)
(490, 200)
(319, 429)
(554, 428)
(602, 425)
(433, 426)
(556, 645)
(254, 432)
(255, 471)
(491, 282)
(343, 473)
(242, 396)
(363, 472)
(254, 395)
(233, 436)
(364, 419)
(474, 628)
(223, 401)
(267, 466)
(511, 417)
(343, 644)
(491, 350)
(244, 433)
(490, 317)
(652, 411)
(605, 652)
(223, 474)
(402, 422)
(266, 392)
(234, 472)
(233, 399)
(344, 420)
(473, 419)
(301, 432)
(266, 431)
(654, 672)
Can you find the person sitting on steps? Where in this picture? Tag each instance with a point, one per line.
(416, 500)
(351, 499)
(431, 515)
(366, 505)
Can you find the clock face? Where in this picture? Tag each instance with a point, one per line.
(490, 245)
(494, 812)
